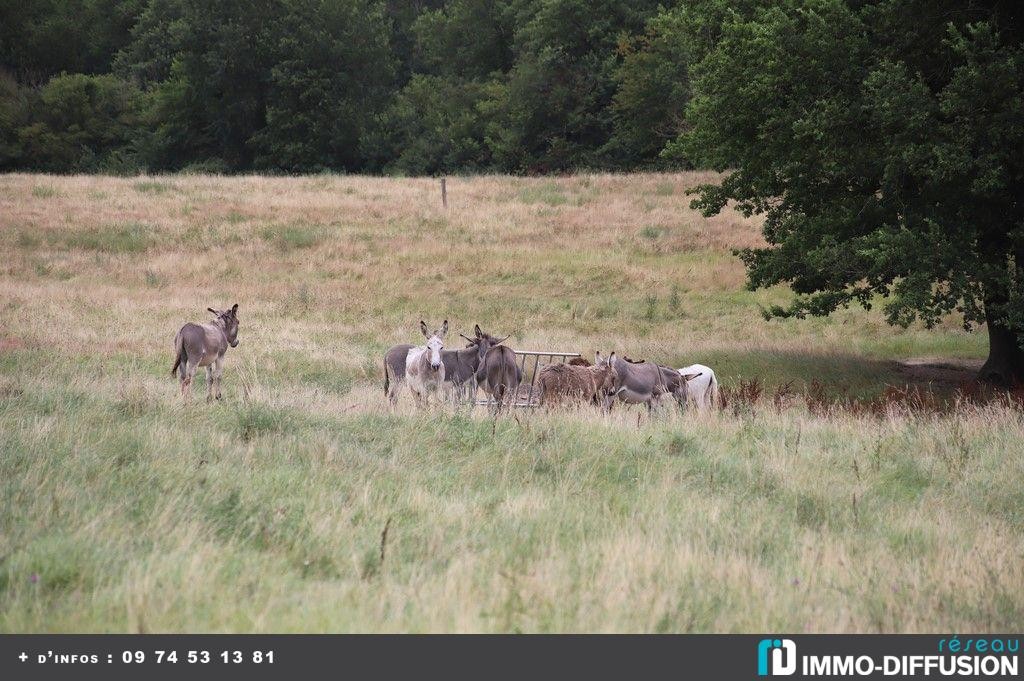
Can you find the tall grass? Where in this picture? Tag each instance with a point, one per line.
(302, 503)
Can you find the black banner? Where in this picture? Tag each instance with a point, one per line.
(195, 657)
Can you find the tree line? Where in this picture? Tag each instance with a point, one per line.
(522, 86)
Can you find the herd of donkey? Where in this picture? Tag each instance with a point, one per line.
(484, 364)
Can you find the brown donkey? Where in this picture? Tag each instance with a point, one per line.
(204, 345)
(577, 381)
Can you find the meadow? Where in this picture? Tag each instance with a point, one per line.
(301, 502)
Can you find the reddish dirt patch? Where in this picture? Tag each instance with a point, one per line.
(8, 343)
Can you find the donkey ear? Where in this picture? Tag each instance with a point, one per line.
(597, 357)
(476, 329)
(212, 310)
(444, 328)
(612, 359)
(423, 328)
(690, 377)
(234, 309)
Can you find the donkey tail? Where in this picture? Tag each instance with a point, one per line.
(713, 398)
(179, 355)
(387, 379)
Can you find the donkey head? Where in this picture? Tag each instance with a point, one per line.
(478, 335)
(228, 321)
(481, 335)
(435, 343)
(604, 374)
(484, 342)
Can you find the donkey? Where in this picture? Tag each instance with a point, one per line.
(459, 367)
(204, 345)
(642, 382)
(578, 380)
(394, 370)
(498, 373)
(424, 369)
(702, 392)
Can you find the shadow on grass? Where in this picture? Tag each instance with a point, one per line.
(854, 375)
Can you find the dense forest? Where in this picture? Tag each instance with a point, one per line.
(395, 86)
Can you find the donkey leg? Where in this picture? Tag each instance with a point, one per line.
(393, 393)
(209, 382)
(186, 383)
(391, 385)
(218, 371)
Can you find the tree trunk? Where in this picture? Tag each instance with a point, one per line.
(1005, 364)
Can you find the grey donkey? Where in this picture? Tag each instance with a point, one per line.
(459, 368)
(498, 374)
(204, 345)
(643, 382)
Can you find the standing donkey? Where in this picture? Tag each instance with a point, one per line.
(424, 369)
(643, 382)
(204, 345)
(394, 370)
(498, 373)
(459, 368)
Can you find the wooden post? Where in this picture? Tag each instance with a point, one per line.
(444, 193)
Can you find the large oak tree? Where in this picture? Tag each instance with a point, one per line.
(884, 144)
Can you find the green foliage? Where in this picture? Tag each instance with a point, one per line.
(352, 85)
(552, 112)
(878, 172)
(42, 38)
(214, 98)
(653, 89)
(331, 65)
(432, 126)
(470, 39)
(74, 122)
(15, 113)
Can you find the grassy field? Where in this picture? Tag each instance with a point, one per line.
(301, 503)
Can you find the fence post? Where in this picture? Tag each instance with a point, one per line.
(444, 193)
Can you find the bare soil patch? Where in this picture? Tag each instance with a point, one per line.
(937, 371)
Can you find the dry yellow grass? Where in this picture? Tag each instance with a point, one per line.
(265, 512)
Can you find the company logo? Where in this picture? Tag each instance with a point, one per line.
(971, 657)
(782, 654)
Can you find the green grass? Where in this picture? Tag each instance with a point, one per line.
(293, 236)
(152, 187)
(118, 238)
(651, 233)
(547, 193)
(257, 515)
(42, 192)
(124, 509)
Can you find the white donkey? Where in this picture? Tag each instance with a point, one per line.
(424, 368)
(702, 391)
